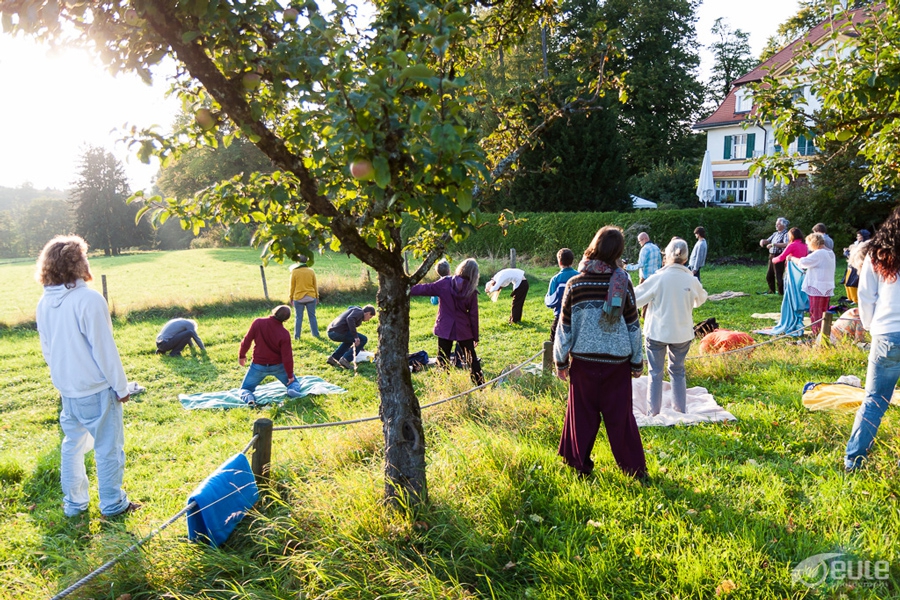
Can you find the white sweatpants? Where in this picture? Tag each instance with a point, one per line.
(93, 422)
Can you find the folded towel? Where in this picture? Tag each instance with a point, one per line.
(222, 500)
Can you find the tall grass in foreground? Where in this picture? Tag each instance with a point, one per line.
(730, 509)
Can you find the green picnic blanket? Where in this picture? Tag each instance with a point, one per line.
(270, 393)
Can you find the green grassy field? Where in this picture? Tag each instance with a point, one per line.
(730, 509)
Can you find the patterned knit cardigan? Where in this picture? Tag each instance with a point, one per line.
(584, 332)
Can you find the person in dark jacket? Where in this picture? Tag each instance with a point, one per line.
(457, 318)
(175, 335)
(343, 330)
(272, 354)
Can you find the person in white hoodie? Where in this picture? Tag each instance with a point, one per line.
(77, 342)
(671, 295)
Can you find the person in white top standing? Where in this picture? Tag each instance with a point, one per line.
(77, 342)
(879, 311)
(819, 281)
(671, 296)
(503, 278)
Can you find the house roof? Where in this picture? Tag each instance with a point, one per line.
(725, 115)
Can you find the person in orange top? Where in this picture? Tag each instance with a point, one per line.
(304, 294)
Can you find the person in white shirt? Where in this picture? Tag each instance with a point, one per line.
(819, 281)
(671, 296)
(879, 311)
(77, 342)
(503, 278)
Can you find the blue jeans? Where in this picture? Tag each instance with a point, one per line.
(345, 350)
(298, 317)
(656, 359)
(881, 377)
(93, 422)
(256, 373)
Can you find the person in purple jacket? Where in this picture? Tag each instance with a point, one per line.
(457, 317)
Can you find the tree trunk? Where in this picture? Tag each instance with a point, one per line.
(401, 418)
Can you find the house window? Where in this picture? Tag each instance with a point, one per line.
(739, 147)
(806, 145)
(731, 191)
(743, 101)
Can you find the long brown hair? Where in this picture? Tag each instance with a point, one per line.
(468, 270)
(607, 246)
(884, 248)
(62, 261)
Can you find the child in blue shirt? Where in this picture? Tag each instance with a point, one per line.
(554, 297)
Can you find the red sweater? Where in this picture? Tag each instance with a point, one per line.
(272, 344)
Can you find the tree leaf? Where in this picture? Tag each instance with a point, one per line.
(382, 171)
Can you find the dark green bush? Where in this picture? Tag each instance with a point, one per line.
(544, 233)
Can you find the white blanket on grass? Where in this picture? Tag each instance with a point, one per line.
(701, 406)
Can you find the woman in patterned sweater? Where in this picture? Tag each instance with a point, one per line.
(598, 349)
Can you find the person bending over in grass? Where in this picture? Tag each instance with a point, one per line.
(457, 318)
(343, 330)
(503, 278)
(272, 354)
(175, 335)
(598, 346)
(77, 342)
(879, 311)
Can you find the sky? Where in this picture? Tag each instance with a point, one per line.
(53, 105)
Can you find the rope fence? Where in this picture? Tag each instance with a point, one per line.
(261, 442)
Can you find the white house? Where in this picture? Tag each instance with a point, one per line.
(734, 134)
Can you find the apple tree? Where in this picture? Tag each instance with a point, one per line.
(387, 87)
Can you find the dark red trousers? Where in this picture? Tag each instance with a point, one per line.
(601, 391)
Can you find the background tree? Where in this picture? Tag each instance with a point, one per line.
(672, 184)
(578, 165)
(664, 95)
(9, 238)
(41, 220)
(315, 92)
(731, 58)
(102, 216)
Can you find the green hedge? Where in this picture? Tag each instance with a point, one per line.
(730, 232)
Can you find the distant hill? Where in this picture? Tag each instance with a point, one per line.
(20, 197)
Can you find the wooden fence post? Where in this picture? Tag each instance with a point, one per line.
(103, 279)
(262, 450)
(825, 333)
(512, 258)
(548, 358)
(262, 273)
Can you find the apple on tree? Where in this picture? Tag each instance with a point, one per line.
(290, 15)
(251, 80)
(362, 169)
(205, 119)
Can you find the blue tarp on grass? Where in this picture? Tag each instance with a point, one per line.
(270, 393)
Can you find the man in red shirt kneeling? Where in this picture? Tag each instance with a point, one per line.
(272, 354)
